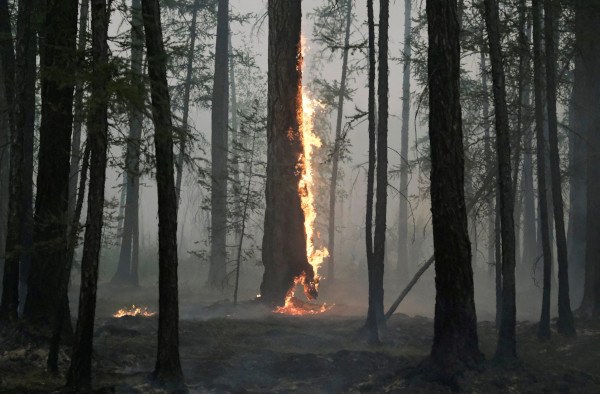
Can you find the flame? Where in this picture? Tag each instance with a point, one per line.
(315, 256)
(134, 311)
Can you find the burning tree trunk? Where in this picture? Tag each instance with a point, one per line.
(129, 244)
(455, 342)
(80, 370)
(284, 242)
(168, 366)
(219, 152)
(51, 203)
(507, 347)
(544, 326)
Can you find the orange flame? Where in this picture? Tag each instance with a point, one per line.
(134, 311)
(306, 185)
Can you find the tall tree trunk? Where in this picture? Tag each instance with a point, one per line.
(402, 265)
(78, 116)
(125, 272)
(587, 38)
(284, 240)
(63, 289)
(219, 152)
(7, 121)
(565, 322)
(186, 99)
(335, 158)
(544, 326)
(168, 366)
(577, 183)
(235, 157)
(371, 318)
(51, 203)
(80, 369)
(529, 247)
(491, 212)
(507, 346)
(455, 342)
(375, 314)
(24, 118)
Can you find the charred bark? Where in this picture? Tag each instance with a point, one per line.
(402, 265)
(219, 152)
(455, 342)
(126, 274)
(168, 366)
(507, 348)
(588, 46)
(371, 324)
(51, 203)
(538, 82)
(284, 240)
(565, 323)
(80, 370)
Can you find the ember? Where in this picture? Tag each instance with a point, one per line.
(134, 311)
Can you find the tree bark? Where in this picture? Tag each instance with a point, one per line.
(129, 247)
(51, 203)
(577, 182)
(455, 342)
(63, 289)
(507, 347)
(335, 158)
(219, 152)
(402, 266)
(78, 116)
(168, 366)
(565, 323)
(19, 223)
(284, 240)
(7, 121)
(80, 370)
(587, 37)
(544, 325)
(371, 324)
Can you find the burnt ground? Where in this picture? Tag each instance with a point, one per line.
(249, 349)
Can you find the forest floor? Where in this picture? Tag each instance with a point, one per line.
(250, 349)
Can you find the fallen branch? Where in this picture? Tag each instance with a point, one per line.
(430, 261)
(408, 287)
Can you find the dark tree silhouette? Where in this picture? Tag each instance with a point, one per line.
(168, 367)
(538, 83)
(565, 323)
(588, 46)
(507, 347)
(455, 342)
(219, 152)
(80, 370)
(127, 272)
(51, 203)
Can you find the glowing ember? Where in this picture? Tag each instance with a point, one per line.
(310, 141)
(134, 311)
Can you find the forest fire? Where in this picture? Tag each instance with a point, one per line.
(315, 256)
(134, 311)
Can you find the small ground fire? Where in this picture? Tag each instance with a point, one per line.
(134, 311)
